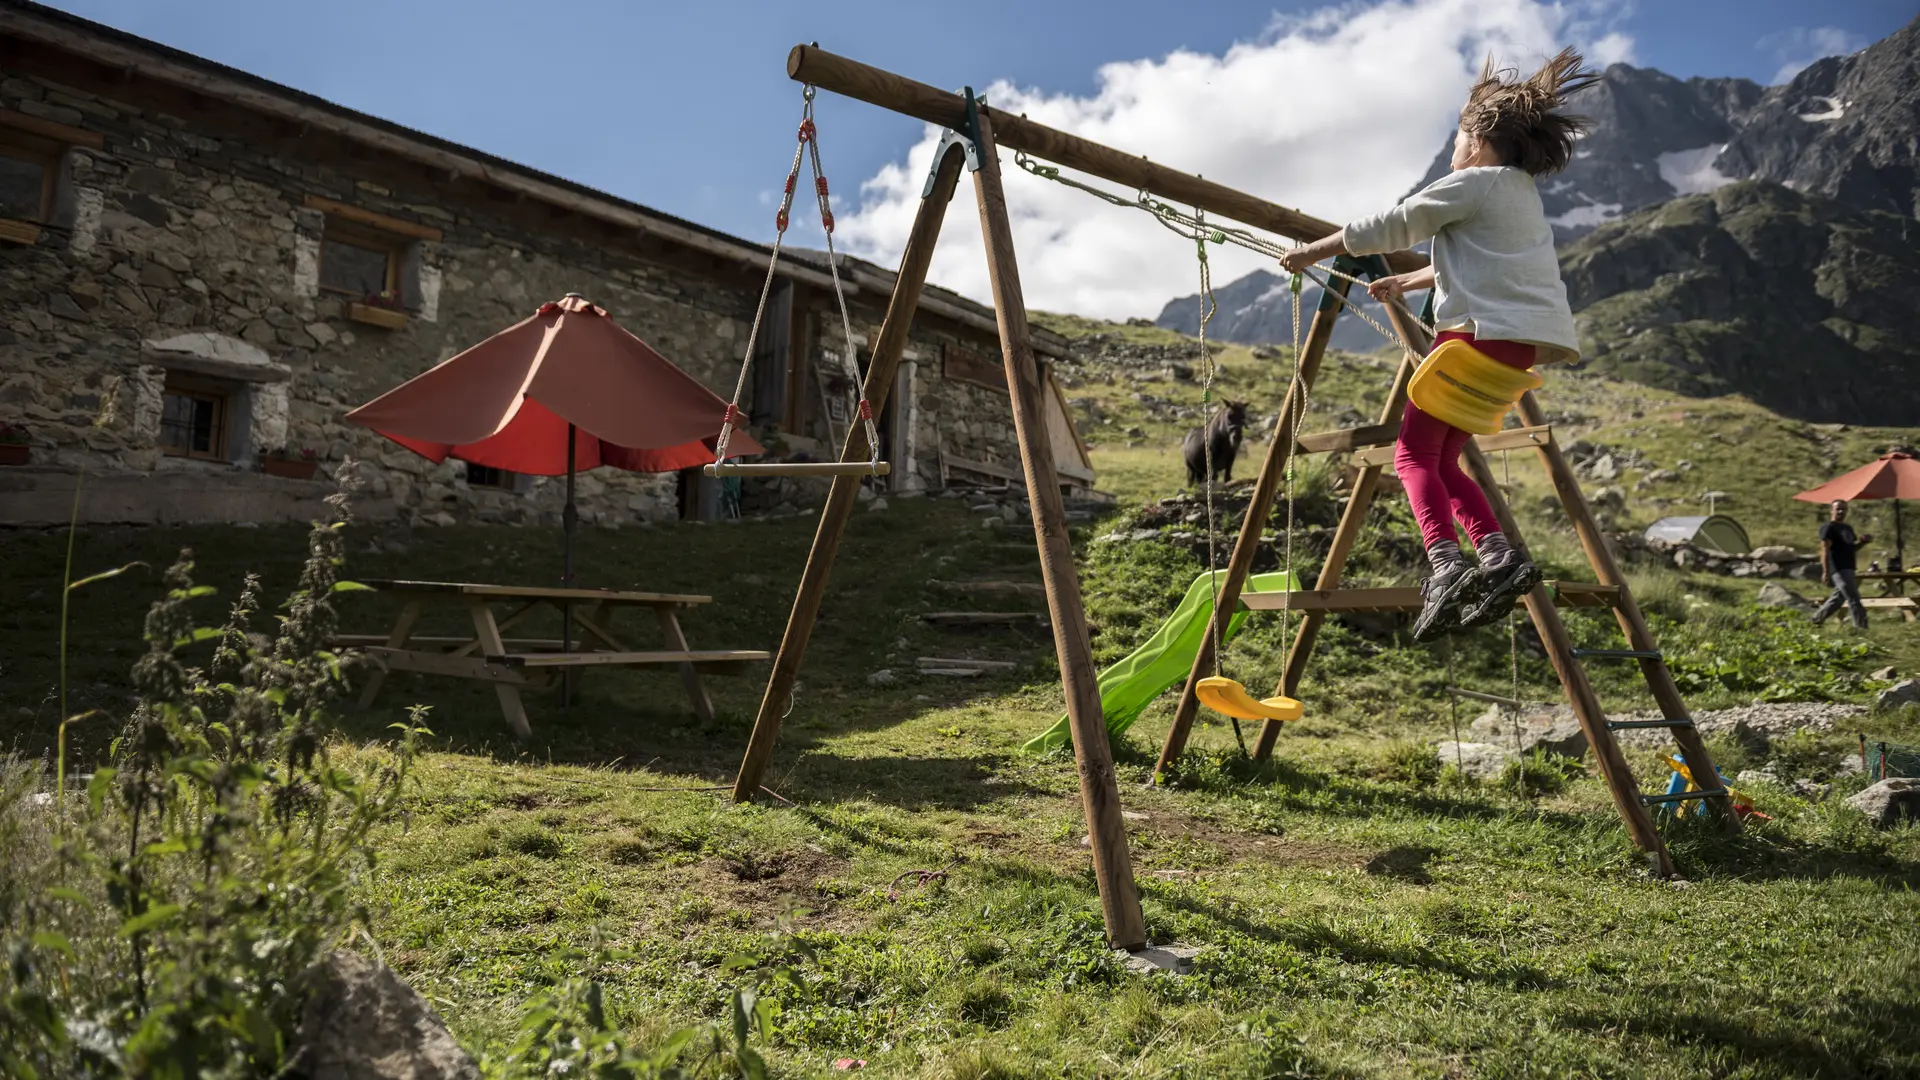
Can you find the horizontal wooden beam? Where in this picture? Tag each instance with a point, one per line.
(51, 129)
(812, 64)
(1395, 599)
(696, 657)
(1584, 594)
(1515, 439)
(382, 222)
(799, 468)
(1358, 438)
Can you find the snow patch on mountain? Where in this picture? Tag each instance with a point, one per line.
(1833, 109)
(1691, 172)
(1590, 215)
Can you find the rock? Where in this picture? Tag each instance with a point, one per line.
(1889, 801)
(877, 504)
(1905, 692)
(1775, 553)
(1886, 673)
(1173, 959)
(1552, 729)
(1603, 467)
(363, 1023)
(1774, 594)
(883, 677)
(1482, 761)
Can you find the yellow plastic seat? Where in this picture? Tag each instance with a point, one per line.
(1464, 387)
(1229, 698)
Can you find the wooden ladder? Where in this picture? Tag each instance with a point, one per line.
(1372, 448)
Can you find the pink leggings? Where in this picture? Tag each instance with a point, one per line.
(1428, 459)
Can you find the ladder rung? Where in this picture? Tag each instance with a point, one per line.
(1512, 439)
(1683, 796)
(800, 468)
(1584, 593)
(1618, 654)
(1633, 725)
(1358, 438)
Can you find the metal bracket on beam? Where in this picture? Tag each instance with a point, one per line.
(968, 139)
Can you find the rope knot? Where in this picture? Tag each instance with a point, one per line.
(826, 219)
(780, 220)
(807, 130)
(733, 417)
(866, 409)
(820, 185)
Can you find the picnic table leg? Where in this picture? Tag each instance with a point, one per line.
(397, 638)
(488, 633)
(689, 675)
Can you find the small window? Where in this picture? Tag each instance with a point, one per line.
(29, 167)
(359, 262)
(193, 421)
(488, 476)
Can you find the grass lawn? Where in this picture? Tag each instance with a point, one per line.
(1361, 912)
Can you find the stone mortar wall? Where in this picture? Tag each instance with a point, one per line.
(175, 243)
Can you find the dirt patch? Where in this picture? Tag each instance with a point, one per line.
(772, 884)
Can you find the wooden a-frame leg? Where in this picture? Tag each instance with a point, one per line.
(488, 633)
(396, 639)
(887, 347)
(1614, 769)
(689, 675)
(1099, 788)
(1627, 612)
(1352, 519)
(1273, 468)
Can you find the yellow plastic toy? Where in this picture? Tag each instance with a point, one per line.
(1468, 389)
(1229, 698)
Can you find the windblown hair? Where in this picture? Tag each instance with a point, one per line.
(1520, 118)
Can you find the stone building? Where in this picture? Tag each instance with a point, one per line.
(199, 267)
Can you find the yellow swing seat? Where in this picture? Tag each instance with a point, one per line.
(1464, 387)
(1229, 698)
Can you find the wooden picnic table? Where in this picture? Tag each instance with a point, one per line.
(1893, 594)
(512, 663)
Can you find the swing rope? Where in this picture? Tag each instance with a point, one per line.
(808, 148)
(1182, 222)
(1209, 373)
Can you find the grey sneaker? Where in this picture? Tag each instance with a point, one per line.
(1501, 588)
(1445, 592)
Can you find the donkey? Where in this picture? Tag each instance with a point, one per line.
(1223, 432)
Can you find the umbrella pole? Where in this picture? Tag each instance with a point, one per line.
(569, 522)
(1899, 545)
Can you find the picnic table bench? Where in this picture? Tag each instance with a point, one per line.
(1893, 592)
(512, 663)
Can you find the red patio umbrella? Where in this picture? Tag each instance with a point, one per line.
(1895, 476)
(564, 390)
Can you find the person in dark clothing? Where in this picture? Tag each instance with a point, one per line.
(1837, 545)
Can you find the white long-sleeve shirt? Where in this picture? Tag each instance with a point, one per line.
(1495, 271)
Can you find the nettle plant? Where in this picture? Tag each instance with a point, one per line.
(216, 857)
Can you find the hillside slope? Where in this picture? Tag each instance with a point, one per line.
(1804, 306)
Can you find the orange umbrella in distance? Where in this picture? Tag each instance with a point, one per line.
(1895, 476)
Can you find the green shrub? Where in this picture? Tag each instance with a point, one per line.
(1410, 761)
(1539, 773)
(216, 856)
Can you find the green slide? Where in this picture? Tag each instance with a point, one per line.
(1128, 687)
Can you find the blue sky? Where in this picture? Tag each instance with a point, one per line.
(686, 106)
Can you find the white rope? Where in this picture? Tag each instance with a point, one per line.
(1207, 308)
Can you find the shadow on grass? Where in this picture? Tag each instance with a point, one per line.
(1881, 1042)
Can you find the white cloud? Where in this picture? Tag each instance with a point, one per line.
(1338, 112)
(1798, 48)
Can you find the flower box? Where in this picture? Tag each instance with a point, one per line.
(291, 468)
(15, 453)
(385, 318)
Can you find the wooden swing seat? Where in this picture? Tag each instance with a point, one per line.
(1229, 698)
(800, 468)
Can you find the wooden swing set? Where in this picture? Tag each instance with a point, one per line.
(974, 134)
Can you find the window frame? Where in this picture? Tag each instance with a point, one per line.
(204, 390)
(353, 234)
(38, 150)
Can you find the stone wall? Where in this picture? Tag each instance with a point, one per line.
(181, 248)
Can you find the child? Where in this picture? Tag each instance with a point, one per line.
(1497, 285)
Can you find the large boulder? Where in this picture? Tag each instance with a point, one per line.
(1890, 801)
(362, 1022)
(1776, 553)
(1774, 594)
(1904, 692)
(1552, 729)
(1482, 761)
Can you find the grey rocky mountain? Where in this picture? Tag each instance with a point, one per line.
(1257, 308)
